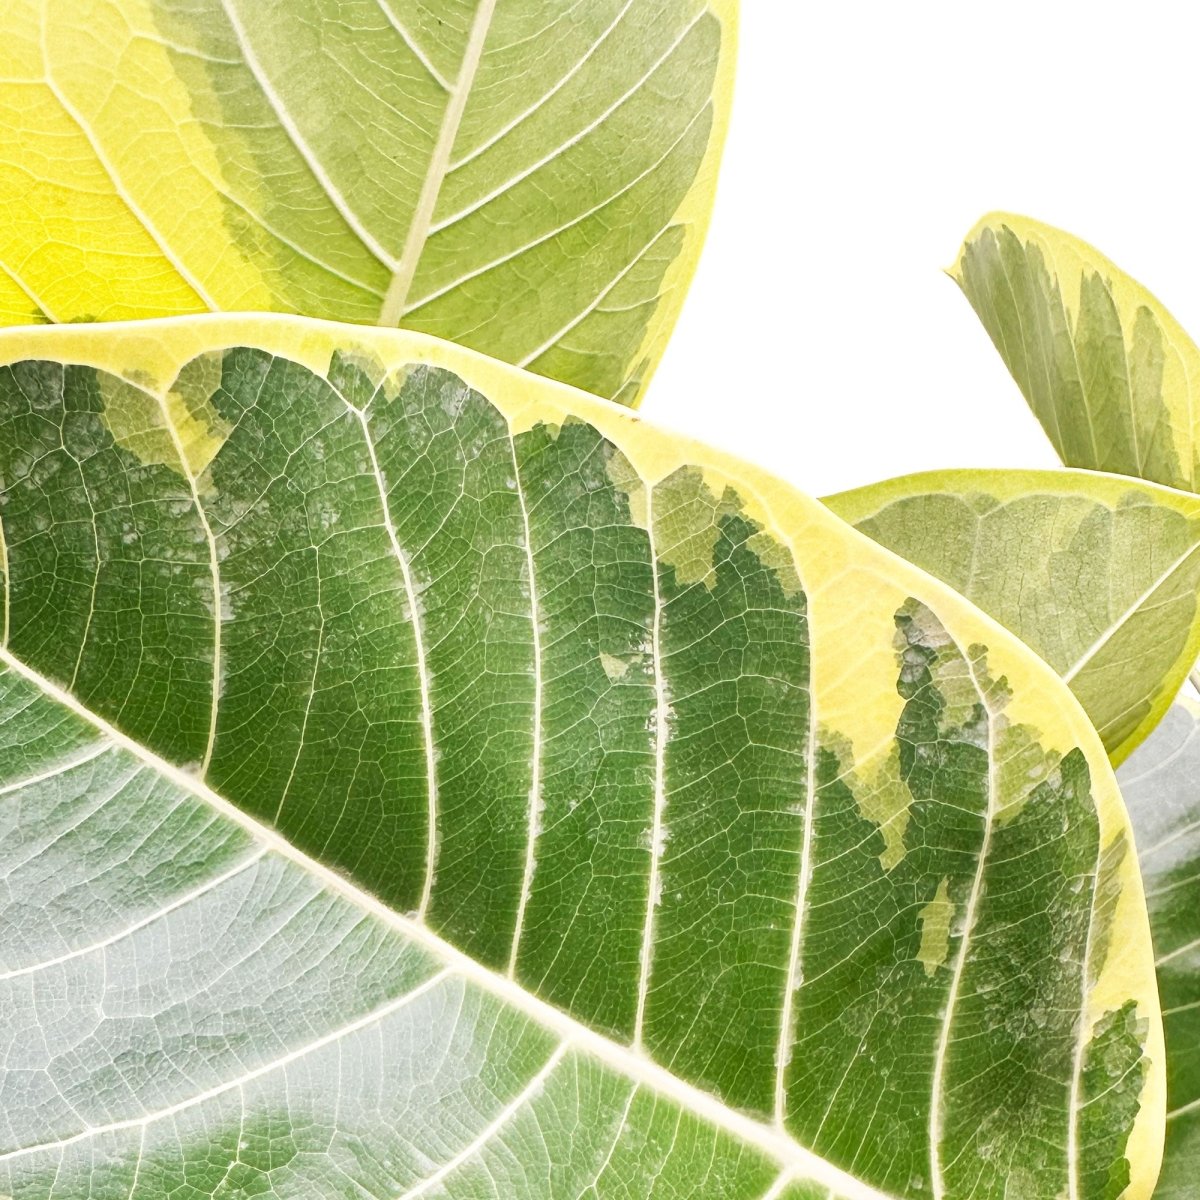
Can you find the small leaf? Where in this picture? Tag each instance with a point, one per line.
(1100, 575)
(422, 779)
(530, 180)
(1161, 786)
(1107, 370)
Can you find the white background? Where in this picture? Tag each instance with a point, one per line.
(821, 338)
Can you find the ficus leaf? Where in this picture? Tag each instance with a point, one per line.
(531, 180)
(1098, 573)
(1161, 786)
(421, 779)
(1110, 374)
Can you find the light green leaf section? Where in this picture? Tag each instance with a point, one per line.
(1110, 374)
(417, 779)
(532, 179)
(1099, 574)
(1161, 786)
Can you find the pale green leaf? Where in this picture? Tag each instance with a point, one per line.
(532, 180)
(1107, 370)
(1097, 573)
(417, 779)
(1161, 786)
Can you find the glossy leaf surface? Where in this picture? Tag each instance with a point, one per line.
(1107, 370)
(1099, 574)
(421, 779)
(529, 179)
(1161, 786)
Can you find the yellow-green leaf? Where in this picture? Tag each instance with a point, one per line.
(530, 180)
(1110, 374)
(1100, 574)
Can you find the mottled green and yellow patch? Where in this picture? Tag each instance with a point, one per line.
(1099, 574)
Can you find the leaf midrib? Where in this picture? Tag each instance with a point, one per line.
(1116, 626)
(772, 1140)
(439, 163)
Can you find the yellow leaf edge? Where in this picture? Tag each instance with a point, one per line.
(694, 214)
(860, 504)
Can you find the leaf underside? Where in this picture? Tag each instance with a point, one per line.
(530, 180)
(1100, 575)
(1110, 374)
(417, 779)
(1161, 786)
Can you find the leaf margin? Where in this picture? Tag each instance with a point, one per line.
(860, 504)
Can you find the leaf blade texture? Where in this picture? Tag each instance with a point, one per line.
(432, 780)
(1161, 786)
(1099, 574)
(1107, 370)
(533, 181)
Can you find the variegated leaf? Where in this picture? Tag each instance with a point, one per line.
(1106, 369)
(1097, 573)
(529, 179)
(420, 779)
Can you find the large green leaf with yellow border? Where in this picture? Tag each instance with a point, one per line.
(1100, 574)
(1110, 374)
(421, 779)
(529, 178)
(1161, 786)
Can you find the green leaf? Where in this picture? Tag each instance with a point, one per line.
(419, 779)
(1107, 370)
(1161, 785)
(530, 180)
(1099, 574)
